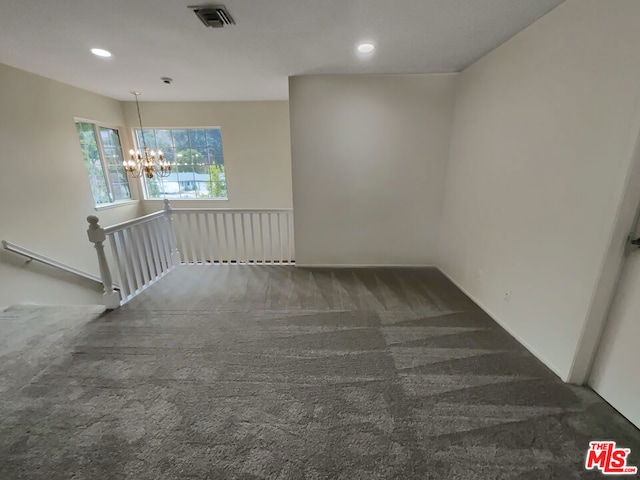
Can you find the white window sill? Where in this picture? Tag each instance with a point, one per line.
(119, 203)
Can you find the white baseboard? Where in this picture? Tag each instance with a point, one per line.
(504, 325)
(363, 265)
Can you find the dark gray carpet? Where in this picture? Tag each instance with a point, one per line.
(254, 372)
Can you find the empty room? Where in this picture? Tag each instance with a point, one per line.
(340, 239)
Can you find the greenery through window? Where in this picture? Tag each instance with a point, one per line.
(198, 163)
(102, 152)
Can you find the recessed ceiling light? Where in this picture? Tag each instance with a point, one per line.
(366, 47)
(100, 52)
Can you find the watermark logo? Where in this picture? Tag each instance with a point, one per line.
(610, 460)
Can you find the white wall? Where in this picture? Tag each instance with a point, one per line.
(369, 157)
(255, 142)
(544, 134)
(44, 191)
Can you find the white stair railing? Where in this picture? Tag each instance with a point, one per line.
(146, 249)
(207, 236)
(143, 250)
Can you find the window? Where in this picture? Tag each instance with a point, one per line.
(198, 163)
(103, 159)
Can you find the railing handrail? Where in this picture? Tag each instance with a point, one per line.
(147, 218)
(231, 210)
(130, 223)
(25, 252)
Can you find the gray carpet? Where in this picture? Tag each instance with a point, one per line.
(259, 372)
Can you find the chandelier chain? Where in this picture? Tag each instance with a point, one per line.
(144, 143)
(145, 163)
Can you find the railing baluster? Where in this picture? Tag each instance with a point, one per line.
(157, 236)
(168, 237)
(189, 235)
(209, 246)
(155, 249)
(179, 228)
(280, 237)
(253, 240)
(175, 227)
(226, 237)
(262, 239)
(286, 216)
(200, 239)
(148, 252)
(135, 231)
(121, 247)
(218, 249)
(244, 238)
(235, 237)
(270, 239)
(133, 257)
(171, 233)
(124, 286)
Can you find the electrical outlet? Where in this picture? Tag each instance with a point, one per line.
(507, 296)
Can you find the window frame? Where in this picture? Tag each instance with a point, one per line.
(142, 180)
(103, 162)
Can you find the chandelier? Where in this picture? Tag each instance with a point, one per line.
(145, 162)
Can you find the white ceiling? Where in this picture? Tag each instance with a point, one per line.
(273, 39)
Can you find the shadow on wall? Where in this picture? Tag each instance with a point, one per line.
(31, 279)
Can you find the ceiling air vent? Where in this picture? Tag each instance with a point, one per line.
(215, 16)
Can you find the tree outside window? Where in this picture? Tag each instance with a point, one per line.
(197, 158)
(102, 153)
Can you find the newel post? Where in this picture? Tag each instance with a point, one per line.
(97, 236)
(175, 254)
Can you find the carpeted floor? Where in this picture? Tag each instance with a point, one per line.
(259, 372)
